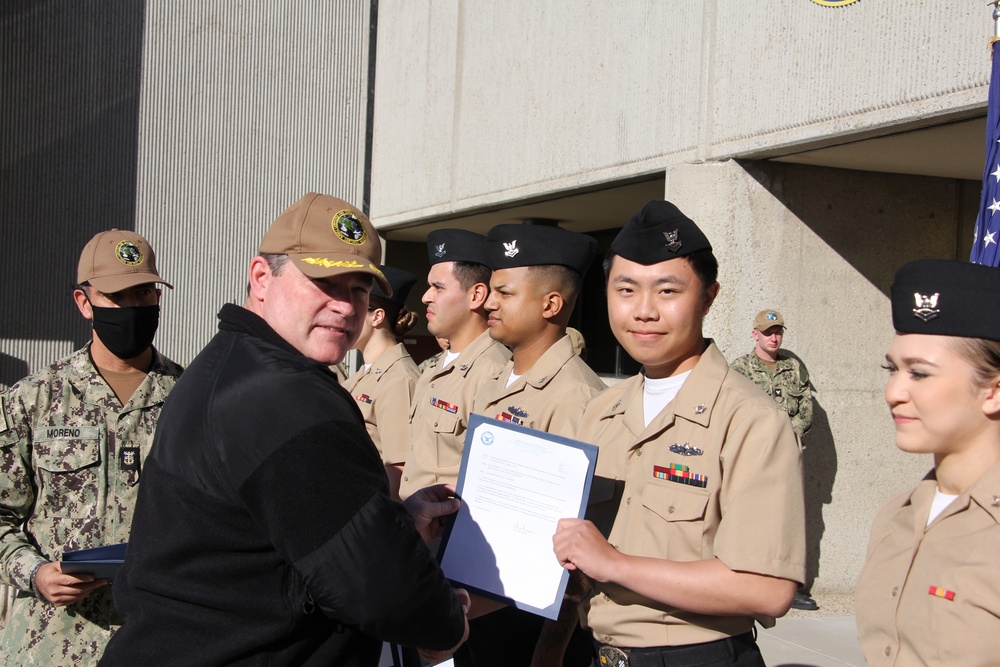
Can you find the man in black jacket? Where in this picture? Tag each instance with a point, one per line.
(264, 532)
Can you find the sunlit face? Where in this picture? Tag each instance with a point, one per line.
(769, 340)
(656, 313)
(515, 306)
(936, 405)
(320, 317)
(447, 303)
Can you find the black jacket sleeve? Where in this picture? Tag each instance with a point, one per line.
(322, 498)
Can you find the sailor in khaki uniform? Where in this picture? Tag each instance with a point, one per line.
(383, 387)
(929, 593)
(537, 272)
(699, 488)
(537, 275)
(458, 286)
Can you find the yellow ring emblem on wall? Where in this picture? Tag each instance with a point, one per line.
(349, 228)
(834, 3)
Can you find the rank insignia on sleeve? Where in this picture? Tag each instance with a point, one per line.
(129, 457)
(363, 398)
(509, 418)
(942, 593)
(676, 472)
(443, 405)
(686, 450)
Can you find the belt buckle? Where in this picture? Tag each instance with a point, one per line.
(611, 656)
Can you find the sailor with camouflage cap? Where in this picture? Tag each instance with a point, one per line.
(73, 443)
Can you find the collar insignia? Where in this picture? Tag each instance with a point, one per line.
(926, 306)
(996, 501)
(673, 245)
(463, 367)
(699, 409)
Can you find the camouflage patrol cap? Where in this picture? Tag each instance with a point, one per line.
(768, 318)
(118, 259)
(325, 236)
(657, 233)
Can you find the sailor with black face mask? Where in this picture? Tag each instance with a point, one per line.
(73, 438)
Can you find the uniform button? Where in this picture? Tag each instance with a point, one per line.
(628, 501)
(888, 651)
(895, 591)
(615, 547)
(605, 596)
(608, 639)
(639, 453)
(406, 479)
(435, 424)
(670, 510)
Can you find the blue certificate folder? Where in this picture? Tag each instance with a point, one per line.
(102, 562)
(515, 483)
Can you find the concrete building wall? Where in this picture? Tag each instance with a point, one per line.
(69, 115)
(245, 108)
(480, 103)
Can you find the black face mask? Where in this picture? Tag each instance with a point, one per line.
(126, 332)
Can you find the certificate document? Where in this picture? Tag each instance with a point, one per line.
(515, 484)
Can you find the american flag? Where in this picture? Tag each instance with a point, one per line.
(984, 242)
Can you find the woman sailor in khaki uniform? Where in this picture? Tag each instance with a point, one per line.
(383, 387)
(929, 593)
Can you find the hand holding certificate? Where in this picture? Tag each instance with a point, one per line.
(515, 484)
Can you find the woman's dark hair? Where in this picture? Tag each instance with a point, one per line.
(401, 317)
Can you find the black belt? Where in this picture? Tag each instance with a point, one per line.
(664, 656)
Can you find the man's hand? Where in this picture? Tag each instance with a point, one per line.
(429, 506)
(580, 546)
(62, 589)
(434, 657)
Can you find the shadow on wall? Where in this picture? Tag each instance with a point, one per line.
(819, 469)
(69, 109)
(875, 221)
(12, 369)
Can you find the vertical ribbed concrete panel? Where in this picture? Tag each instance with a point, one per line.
(246, 106)
(69, 113)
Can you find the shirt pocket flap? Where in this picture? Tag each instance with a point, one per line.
(675, 503)
(66, 455)
(446, 422)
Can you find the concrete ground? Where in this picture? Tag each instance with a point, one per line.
(826, 637)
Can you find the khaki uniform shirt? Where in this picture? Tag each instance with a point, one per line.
(384, 393)
(442, 403)
(549, 397)
(744, 508)
(930, 595)
(63, 487)
(788, 386)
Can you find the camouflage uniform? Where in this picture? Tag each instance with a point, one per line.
(62, 487)
(788, 386)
